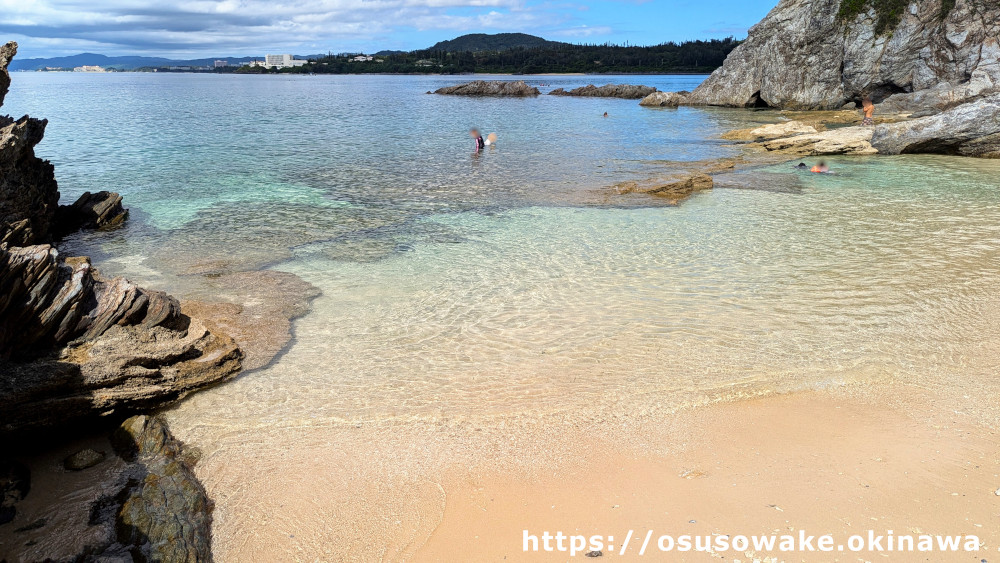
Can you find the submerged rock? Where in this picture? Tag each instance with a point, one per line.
(518, 88)
(675, 190)
(627, 91)
(971, 129)
(663, 100)
(804, 56)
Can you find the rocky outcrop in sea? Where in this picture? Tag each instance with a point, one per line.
(664, 99)
(808, 54)
(72, 343)
(503, 88)
(76, 346)
(626, 91)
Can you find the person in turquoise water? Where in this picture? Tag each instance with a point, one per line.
(480, 142)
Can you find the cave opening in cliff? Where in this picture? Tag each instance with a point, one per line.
(756, 101)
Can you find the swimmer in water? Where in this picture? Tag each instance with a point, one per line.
(480, 142)
(801, 166)
(820, 168)
(605, 114)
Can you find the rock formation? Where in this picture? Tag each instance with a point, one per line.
(674, 189)
(490, 88)
(844, 140)
(627, 91)
(772, 131)
(971, 129)
(102, 210)
(133, 498)
(806, 55)
(72, 343)
(664, 99)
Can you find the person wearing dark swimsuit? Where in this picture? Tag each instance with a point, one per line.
(480, 142)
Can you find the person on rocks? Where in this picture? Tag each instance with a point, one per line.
(868, 108)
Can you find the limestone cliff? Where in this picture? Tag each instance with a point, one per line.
(806, 55)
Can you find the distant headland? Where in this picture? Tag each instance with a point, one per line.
(501, 53)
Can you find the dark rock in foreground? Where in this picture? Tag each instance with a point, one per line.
(627, 91)
(517, 88)
(139, 503)
(803, 56)
(971, 129)
(164, 512)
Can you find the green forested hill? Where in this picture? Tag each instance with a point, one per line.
(551, 57)
(476, 42)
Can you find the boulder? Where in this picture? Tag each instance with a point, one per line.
(844, 140)
(663, 100)
(627, 91)
(804, 55)
(101, 210)
(970, 129)
(162, 512)
(517, 88)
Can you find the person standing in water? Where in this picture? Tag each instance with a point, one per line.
(868, 108)
(480, 142)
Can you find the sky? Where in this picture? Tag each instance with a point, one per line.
(209, 28)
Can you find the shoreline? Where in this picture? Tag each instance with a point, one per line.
(870, 455)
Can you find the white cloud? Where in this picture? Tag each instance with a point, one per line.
(190, 27)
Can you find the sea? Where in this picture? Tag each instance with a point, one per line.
(517, 287)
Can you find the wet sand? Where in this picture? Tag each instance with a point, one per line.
(840, 461)
(818, 462)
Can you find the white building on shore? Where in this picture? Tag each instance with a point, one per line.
(89, 68)
(282, 61)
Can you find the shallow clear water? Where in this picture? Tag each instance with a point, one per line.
(515, 281)
(464, 293)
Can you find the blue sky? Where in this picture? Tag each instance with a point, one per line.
(205, 28)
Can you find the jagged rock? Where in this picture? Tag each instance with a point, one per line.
(29, 194)
(517, 88)
(663, 100)
(772, 131)
(7, 53)
(971, 129)
(83, 459)
(101, 210)
(802, 56)
(844, 140)
(126, 348)
(627, 91)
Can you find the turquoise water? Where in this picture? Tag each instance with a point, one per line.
(448, 278)
(495, 298)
